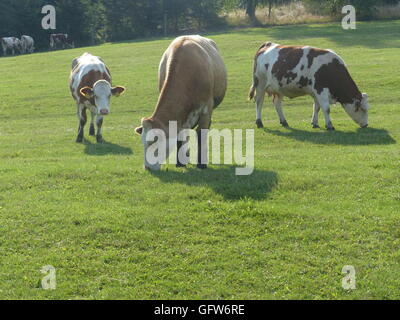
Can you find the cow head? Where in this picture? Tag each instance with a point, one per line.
(155, 143)
(358, 111)
(101, 93)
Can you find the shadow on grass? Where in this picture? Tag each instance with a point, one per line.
(367, 136)
(102, 149)
(224, 181)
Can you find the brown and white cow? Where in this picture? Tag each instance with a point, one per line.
(12, 44)
(91, 87)
(192, 83)
(27, 44)
(61, 40)
(289, 71)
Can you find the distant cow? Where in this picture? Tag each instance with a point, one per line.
(288, 71)
(61, 40)
(192, 82)
(90, 84)
(27, 44)
(11, 44)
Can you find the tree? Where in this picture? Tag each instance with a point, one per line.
(251, 6)
(272, 3)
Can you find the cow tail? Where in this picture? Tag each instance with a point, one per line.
(252, 92)
(254, 86)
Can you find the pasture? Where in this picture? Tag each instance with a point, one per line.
(317, 200)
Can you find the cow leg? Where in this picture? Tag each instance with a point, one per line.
(178, 162)
(82, 122)
(279, 111)
(180, 145)
(317, 108)
(92, 132)
(326, 108)
(260, 96)
(99, 136)
(202, 140)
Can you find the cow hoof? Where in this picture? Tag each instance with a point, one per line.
(315, 126)
(100, 139)
(79, 140)
(202, 166)
(92, 132)
(180, 165)
(259, 124)
(331, 129)
(285, 124)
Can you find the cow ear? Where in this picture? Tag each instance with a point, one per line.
(364, 102)
(117, 91)
(87, 92)
(139, 130)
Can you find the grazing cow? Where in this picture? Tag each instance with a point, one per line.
(11, 44)
(60, 40)
(288, 71)
(192, 83)
(27, 44)
(90, 84)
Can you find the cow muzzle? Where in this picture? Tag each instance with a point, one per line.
(104, 112)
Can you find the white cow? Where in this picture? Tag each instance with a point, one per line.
(28, 44)
(90, 85)
(11, 44)
(289, 71)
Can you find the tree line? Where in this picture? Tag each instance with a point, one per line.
(90, 22)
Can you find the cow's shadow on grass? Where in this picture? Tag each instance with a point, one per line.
(223, 181)
(105, 148)
(367, 136)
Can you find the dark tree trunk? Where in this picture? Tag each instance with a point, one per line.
(251, 10)
(269, 9)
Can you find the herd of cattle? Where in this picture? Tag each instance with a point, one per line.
(26, 45)
(193, 82)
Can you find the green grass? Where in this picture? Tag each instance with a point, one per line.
(316, 202)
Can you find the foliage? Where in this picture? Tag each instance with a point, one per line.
(95, 21)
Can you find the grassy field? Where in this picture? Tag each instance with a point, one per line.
(316, 202)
